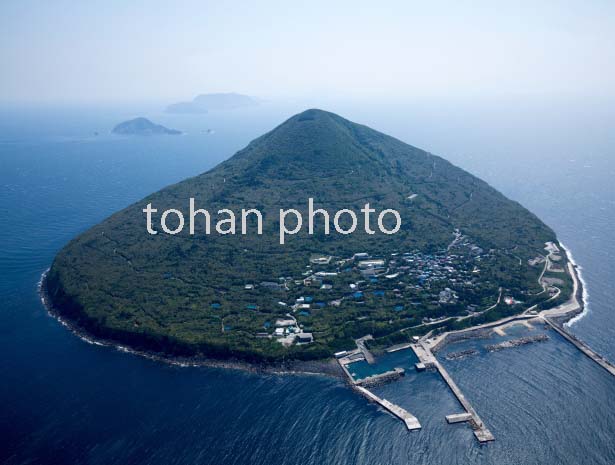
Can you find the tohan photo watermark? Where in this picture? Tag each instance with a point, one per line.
(227, 225)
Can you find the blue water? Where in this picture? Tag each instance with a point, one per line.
(386, 362)
(66, 401)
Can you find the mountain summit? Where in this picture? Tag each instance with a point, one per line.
(461, 245)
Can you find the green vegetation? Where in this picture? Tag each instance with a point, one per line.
(220, 296)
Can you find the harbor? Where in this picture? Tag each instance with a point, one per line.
(362, 374)
(426, 360)
(361, 383)
(362, 370)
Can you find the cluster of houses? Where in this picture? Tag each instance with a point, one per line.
(442, 275)
(447, 296)
(287, 331)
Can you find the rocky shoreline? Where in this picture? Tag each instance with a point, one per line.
(327, 367)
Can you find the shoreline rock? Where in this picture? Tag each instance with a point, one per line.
(326, 367)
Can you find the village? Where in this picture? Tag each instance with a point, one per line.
(419, 288)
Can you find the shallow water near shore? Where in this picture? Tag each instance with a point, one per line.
(67, 401)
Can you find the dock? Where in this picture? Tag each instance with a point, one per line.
(410, 420)
(481, 432)
(599, 359)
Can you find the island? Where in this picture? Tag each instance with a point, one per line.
(208, 102)
(465, 255)
(143, 127)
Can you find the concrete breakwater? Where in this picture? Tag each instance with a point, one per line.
(517, 342)
(599, 359)
(461, 354)
(410, 420)
(381, 378)
(481, 432)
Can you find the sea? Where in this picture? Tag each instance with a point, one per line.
(64, 400)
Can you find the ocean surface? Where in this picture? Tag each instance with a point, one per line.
(63, 400)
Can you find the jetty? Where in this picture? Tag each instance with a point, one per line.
(481, 432)
(410, 420)
(599, 359)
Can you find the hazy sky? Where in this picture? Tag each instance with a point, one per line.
(121, 50)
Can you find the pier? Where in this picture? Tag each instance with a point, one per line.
(410, 420)
(481, 432)
(599, 359)
(426, 359)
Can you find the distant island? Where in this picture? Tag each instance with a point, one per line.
(143, 127)
(464, 256)
(207, 102)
